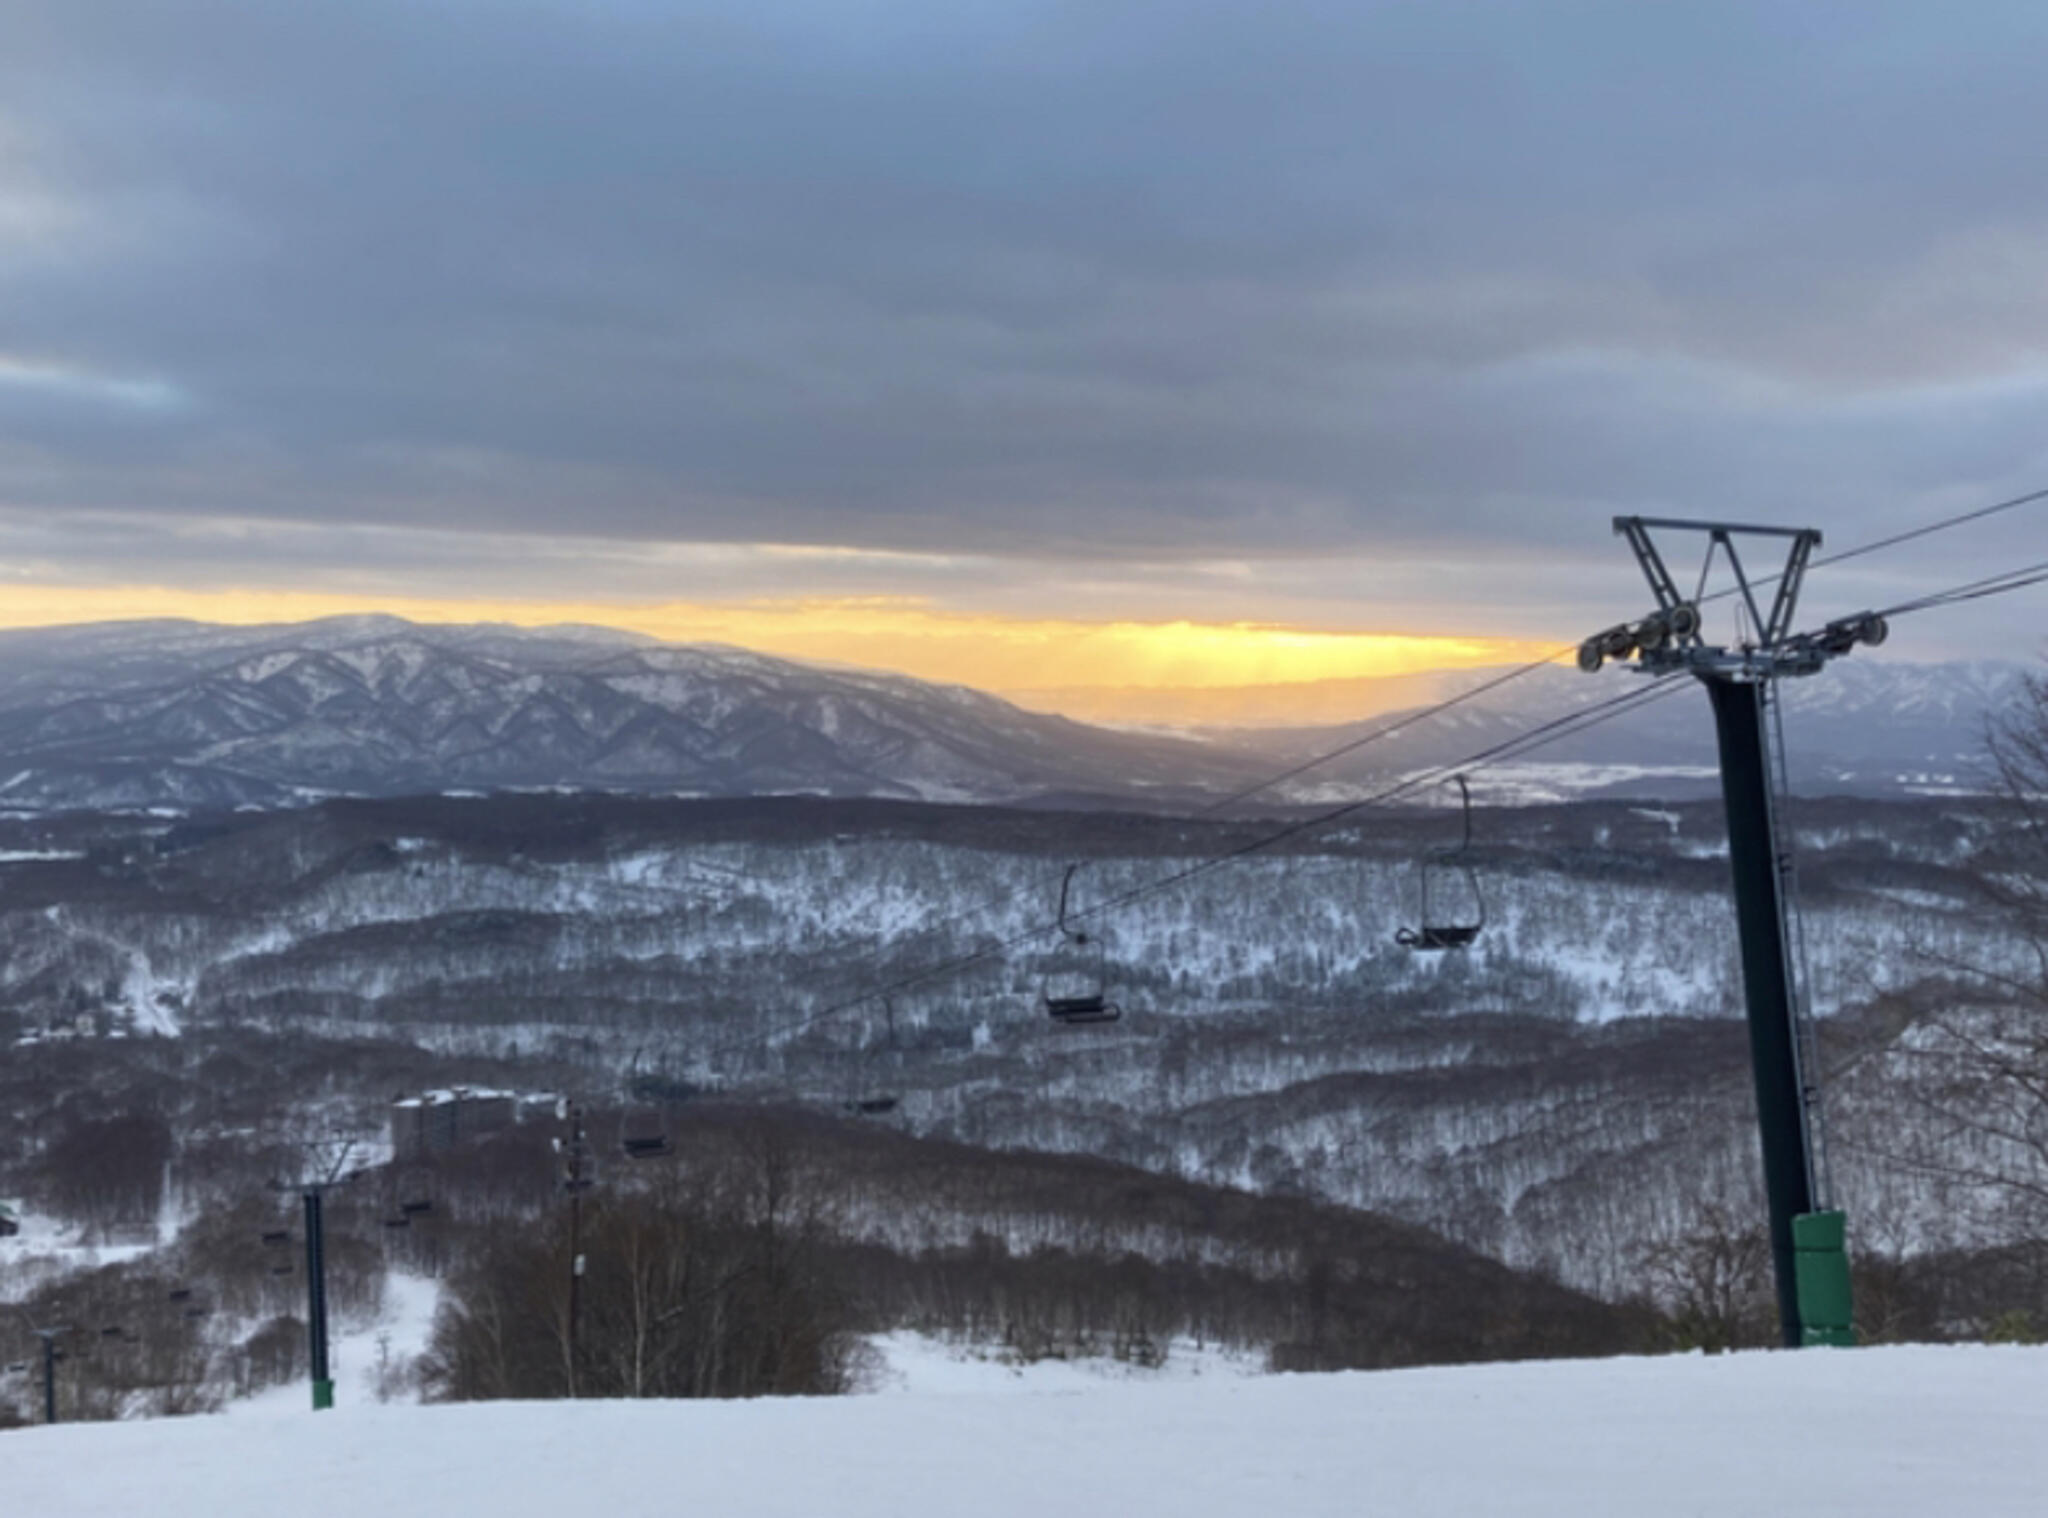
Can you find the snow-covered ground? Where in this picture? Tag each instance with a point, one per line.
(919, 1365)
(370, 1362)
(1893, 1431)
(45, 1249)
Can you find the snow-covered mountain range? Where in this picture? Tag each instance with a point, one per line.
(184, 714)
(180, 714)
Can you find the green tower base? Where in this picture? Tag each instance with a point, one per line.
(1821, 1259)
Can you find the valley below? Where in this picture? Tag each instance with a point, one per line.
(1560, 1098)
(798, 1044)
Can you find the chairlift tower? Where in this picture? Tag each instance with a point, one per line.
(576, 1180)
(1740, 682)
(51, 1355)
(312, 1196)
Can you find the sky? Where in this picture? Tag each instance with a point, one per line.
(1026, 344)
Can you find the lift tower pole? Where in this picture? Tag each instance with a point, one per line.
(575, 1180)
(51, 1355)
(1740, 682)
(313, 1198)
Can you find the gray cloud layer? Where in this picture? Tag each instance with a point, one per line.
(1145, 281)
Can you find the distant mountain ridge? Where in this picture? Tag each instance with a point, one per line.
(184, 715)
(1861, 726)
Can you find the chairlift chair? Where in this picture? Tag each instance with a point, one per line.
(643, 1136)
(1437, 930)
(643, 1130)
(877, 1100)
(1076, 993)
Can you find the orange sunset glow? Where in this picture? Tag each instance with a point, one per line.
(995, 653)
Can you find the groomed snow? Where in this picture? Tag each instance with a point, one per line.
(1893, 1431)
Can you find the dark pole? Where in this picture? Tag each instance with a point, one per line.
(575, 1279)
(576, 1185)
(1807, 1247)
(49, 1378)
(316, 1300)
(1753, 857)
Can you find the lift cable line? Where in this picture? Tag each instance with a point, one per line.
(1807, 1244)
(1975, 590)
(1517, 673)
(1860, 550)
(1041, 880)
(1807, 1254)
(1912, 534)
(1548, 732)
(2032, 497)
(1540, 736)
(1537, 737)
(1040, 883)
(1400, 724)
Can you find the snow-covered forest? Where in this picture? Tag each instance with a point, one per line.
(1570, 1096)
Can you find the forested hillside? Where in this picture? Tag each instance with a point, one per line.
(1567, 1093)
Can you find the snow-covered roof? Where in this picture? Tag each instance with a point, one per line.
(456, 1094)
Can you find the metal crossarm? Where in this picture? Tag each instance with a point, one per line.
(1637, 531)
(1789, 583)
(1670, 637)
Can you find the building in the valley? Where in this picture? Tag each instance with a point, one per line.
(436, 1121)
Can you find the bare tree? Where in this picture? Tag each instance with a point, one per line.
(1713, 1278)
(1963, 1053)
(109, 1173)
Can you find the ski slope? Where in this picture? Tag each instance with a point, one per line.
(1891, 1431)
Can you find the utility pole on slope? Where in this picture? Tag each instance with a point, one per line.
(1808, 1259)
